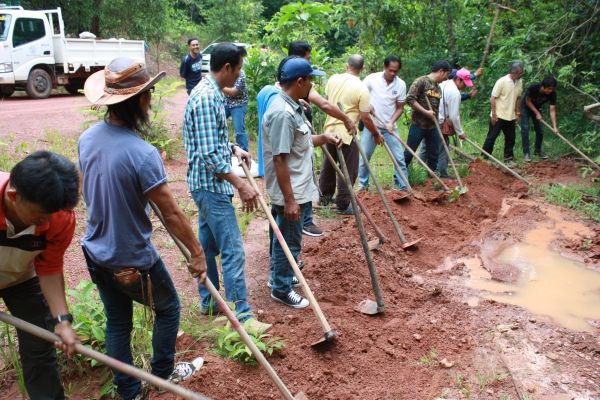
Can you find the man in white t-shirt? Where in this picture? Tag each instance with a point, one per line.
(450, 112)
(387, 97)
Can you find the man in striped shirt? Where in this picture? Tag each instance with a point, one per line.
(211, 181)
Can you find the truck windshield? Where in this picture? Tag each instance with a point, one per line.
(4, 25)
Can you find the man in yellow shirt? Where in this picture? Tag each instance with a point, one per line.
(505, 110)
(353, 94)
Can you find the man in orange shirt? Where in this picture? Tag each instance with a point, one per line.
(36, 227)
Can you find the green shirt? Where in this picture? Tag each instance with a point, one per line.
(421, 87)
(285, 130)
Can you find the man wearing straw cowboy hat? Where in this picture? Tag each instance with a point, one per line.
(36, 227)
(211, 182)
(121, 174)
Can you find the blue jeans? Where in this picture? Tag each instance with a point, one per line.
(526, 114)
(432, 144)
(238, 117)
(307, 215)
(219, 233)
(118, 305)
(38, 357)
(281, 270)
(367, 143)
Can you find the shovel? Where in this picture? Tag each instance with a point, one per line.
(329, 334)
(512, 172)
(223, 307)
(375, 243)
(589, 160)
(463, 189)
(416, 156)
(104, 359)
(404, 243)
(367, 306)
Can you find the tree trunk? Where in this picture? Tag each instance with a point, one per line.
(450, 31)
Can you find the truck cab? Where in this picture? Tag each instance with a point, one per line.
(36, 56)
(26, 49)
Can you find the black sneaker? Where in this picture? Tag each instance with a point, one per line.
(346, 211)
(312, 230)
(295, 281)
(291, 299)
(325, 200)
(541, 156)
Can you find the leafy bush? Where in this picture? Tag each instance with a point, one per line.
(230, 344)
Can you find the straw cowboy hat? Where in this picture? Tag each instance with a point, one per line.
(121, 79)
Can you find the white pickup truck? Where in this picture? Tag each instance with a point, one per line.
(35, 55)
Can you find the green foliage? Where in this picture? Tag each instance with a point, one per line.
(306, 21)
(229, 344)
(89, 320)
(228, 20)
(9, 354)
(583, 199)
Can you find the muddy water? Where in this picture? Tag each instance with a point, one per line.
(547, 282)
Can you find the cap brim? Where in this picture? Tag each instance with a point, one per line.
(94, 89)
(316, 72)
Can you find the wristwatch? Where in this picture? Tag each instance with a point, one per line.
(63, 318)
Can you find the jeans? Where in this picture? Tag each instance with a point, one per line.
(367, 143)
(219, 233)
(38, 357)
(307, 215)
(508, 127)
(526, 114)
(118, 305)
(328, 178)
(281, 270)
(432, 144)
(238, 117)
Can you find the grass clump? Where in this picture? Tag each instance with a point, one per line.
(580, 198)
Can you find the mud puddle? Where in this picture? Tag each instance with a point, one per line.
(533, 275)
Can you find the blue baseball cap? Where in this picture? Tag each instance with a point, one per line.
(298, 67)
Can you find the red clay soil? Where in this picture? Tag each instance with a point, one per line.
(377, 357)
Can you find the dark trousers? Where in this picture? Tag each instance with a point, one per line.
(38, 357)
(527, 114)
(118, 306)
(328, 179)
(432, 145)
(508, 128)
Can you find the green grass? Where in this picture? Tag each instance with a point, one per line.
(580, 198)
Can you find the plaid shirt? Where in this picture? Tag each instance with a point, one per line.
(206, 139)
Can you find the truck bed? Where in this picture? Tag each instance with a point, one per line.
(88, 53)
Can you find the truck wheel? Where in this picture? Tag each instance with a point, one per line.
(73, 88)
(39, 84)
(6, 90)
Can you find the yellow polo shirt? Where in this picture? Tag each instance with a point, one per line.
(506, 91)
(349, 90)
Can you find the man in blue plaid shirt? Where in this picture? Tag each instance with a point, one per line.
(211, 182)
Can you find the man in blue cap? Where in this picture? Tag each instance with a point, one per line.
(287, 153)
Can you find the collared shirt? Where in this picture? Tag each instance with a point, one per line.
(38, 249)
(286, 131)
(421, 88)
(206, 139)
(242, 97)
(450, 105)
(506, 91)
(349, 90)
(384, 96)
